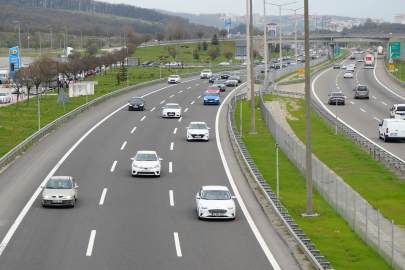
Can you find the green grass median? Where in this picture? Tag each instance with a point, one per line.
(329, 232)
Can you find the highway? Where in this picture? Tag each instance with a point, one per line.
(361, 114)
(125, 222)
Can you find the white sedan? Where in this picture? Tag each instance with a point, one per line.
(198, 131)
(173, 79)
(171, 110)
(215, 202)
(348, 74)
(146, 163)
(224, 64)
(5, 97)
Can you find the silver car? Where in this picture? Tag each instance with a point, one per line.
(361, 91)
(336, 98)
(60, 191)
(232, 81)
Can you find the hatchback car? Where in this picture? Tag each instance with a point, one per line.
(198, 131)
(60, 191)
(348, 74)
(146, 163)
(171, 110)
(398, 111)
(225, 75)
(213, 89)
(360, 60)
(237, 75)
(214, 77)
(336, 66)
(211, 98)
(232, 81)
(173, 79)
(5, 97)
(215, 202)
(220, 84)
(361, 91)
(336, 98)
(136, 103)
(344, 66)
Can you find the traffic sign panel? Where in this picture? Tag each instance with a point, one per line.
(337, 51)
(391, 61)
(395, 49)
(301, 72)
(392, 68)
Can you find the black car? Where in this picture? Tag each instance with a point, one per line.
(353, 57)
(146, 64)
(225, 75)
(277, 66)
(154, 64)
(220, 84)
(272, 65)
(256, 62)
(214, 77)
(136, 103)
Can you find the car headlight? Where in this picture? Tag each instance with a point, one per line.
(230, 207)
(206, 133)
(69, 197)
(45, 197)
(135, 166)
(203, 207)
(156, 166)
(205, 98)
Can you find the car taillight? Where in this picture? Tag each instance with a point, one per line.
(386, 131)
(343, 97)
(395, 111)
(331, 97)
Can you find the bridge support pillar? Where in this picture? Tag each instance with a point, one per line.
(331, 50)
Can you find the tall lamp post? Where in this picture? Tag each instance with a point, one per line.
(265, 38)
(248, 66)
(19, 40)
(281, 54)
(192, 53)
(100, 45)
(81, 42)
(51, 40)
(28, 33)
(65, 41)
(295, 20)
(177, 45)
(40, 45)
(322, 18)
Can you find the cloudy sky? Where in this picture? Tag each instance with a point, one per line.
(376, 9)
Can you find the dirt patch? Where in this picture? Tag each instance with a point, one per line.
(293, 106)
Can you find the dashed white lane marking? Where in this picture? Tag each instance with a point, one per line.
(153, 109)
(91, 243)
(143, 118)
(175, 131)
(132, 131)
(374, 97)
(189, 87)
(171, 145)
(103, 197)
(171, 96)
(362, 110)
(123, 145)
(170, 167)
(199, 96)
(352, 102)
(171, 197)
(113, 166)
(162, 101)
(338, 87)
(180, 91)
(177, 244)
(180, 118)
(186, 110)
(377, 119)
(192, 102)
(383, 103)
(197, 84)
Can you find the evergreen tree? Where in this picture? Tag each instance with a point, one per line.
(214, 40)
(199, 46)
(195, 54)
(204, 45)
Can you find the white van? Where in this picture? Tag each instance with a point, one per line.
(392, 129)
(398, 111)
(4, 74)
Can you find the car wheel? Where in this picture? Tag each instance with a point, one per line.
(343, 103)
(143, 108)
(385, 138)
(43, 205)
(368, 97)
(379, 135)
(74, 203)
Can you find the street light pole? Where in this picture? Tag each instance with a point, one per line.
(19, 41)
(265, 38)
(252, 88)
(177, 45)
(192, 53)
(101, 46)
(81, 42)
(295, 21)
(51, 40)
(40, 45)
(108, 41)
(28, 39)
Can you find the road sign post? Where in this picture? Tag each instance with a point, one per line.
(395, 49)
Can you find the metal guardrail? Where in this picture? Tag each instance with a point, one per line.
(401, 83)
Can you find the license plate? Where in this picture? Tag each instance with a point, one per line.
(145, 171)
(217, 214)
(57, 201)
(393, 134)
(197, 136)
(135, 106)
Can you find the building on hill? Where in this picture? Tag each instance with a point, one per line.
(399, 18)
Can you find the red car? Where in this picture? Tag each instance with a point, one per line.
(213, 89)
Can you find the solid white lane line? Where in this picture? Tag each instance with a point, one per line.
(170, 167)
(123, 145)
(175, 131)
(180, 118)
(171, 96)
(242, 205)
(132, 131)
(352, 102)
(383, 103)
(192, 102)
(177, 244)
(199, 96)
(113, 166)
(91, 243)
(162, 101)
(103, 197)
(374, 97)
(377, 119)
(153, 109)
(362, 110)
(143, 118)
(171, 197)
(186, 110)
(171, 146)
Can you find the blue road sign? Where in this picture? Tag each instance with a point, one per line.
(228, 22)
(14, 60)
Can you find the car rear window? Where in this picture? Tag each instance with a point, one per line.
(401, 108)
(337, 94)
(212, 88)
(362, 88)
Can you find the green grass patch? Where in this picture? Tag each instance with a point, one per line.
(329, 232)
(400, 66)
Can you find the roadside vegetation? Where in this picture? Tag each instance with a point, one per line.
(329, 232)
(400, 66)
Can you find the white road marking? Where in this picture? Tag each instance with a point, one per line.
(362, 110)
(133, 130)
(186, 110)
(338, 87)
(196, 84)
(377, 119)
(177, 244)
(180, 91)
(374, 97)
(162, 101)
(171, 197)
(143, 118)
(352, 102)
(171, 145)
(153, 109)
(103, 197)
(192, 102)
(171, 96)
(170, 167)
(175, 131)
(199, 96)
(91, 243)
(113, 166)
(180, 118)
(383, 103)
(34, 196)
(188, 87)
(123, 145)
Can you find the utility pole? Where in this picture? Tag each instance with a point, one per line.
(19, 42)
(51, 40)
(28, 39)
(252, 86)
(296, 45)
(108, 41)
(40, 45)
(265, 39)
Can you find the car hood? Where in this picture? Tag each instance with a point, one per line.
(171, 110)
(211, 97)
(136, 103)
(145, 164)
(232, 80)
(57, 192)
(198, 131)
(220, 204)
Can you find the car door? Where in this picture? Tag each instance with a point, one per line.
(74, 187)
(381, 128)
(197, 200)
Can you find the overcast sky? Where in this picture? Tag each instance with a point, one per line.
(375, 9)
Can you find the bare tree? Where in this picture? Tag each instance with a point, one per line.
(172, 52)
(47, 68)
(214, 53)
(92, 49)
(35, 76)
(228, 55)
(159, 36)
(200, 33)
(18, 82)
(146, 37)
(223, 33)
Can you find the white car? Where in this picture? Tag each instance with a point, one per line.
(348, 74)
(206, 74)
(224, 64)
(344, 66)
(215, 202)
(244, 64)
(198, 131)
(60, 191)
(146, 163)
(173, 79)
(360, 60)
(350, 68)
(398, 111)
(353, 64)
(292, 64)
(5, 97)
(392, 129)
(173, 64)
(171, 110)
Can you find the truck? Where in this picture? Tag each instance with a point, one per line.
(369, 61)
(380, 50)
(69, 51)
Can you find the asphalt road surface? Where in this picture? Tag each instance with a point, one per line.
(125, 222)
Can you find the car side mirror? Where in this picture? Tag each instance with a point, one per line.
(160, 159)
(198, 197)
(208, 128)
(76, 187)
(42, 186)
(163, 107)
(132, 159)
(186, 127)
(233, 197)
(380, 125)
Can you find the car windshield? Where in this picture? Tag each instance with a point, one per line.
(211, 94)
(218, 82)
(362, 88)
(174, 76)
(226, 73)
(337, 94)
(197, 126)
(232, 78)
(137, 100)
(206, 71)
(216, 195)
(59, 184)
(146, 157)
(2, 94)
(235, 74)
(401, 108)
(171, 106)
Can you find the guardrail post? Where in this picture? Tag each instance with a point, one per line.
(392, 256)
(355, 212)
(378, 215)
(366, 220)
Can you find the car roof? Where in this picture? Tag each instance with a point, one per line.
(65, 177)
(216, 187)
(172, 104)
(394, 120)
(197, 123)
(136, 97)
(146, 152)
